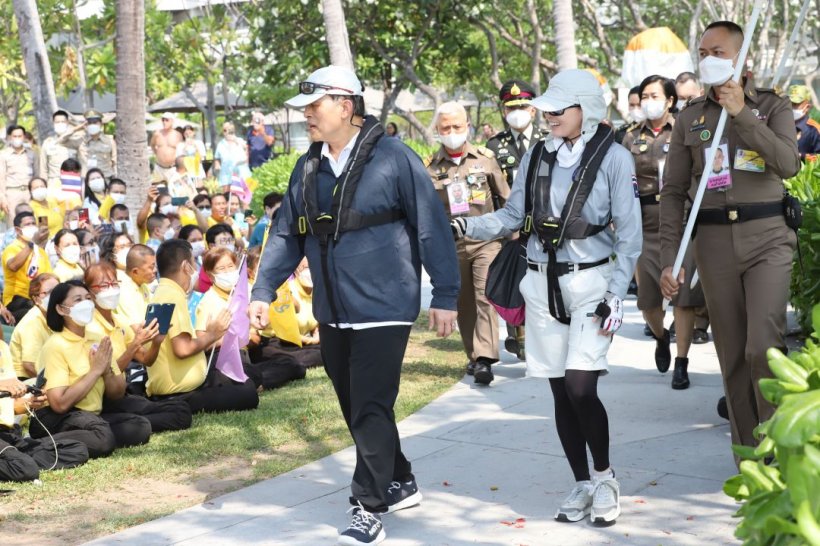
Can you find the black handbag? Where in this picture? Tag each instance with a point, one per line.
(505, 274)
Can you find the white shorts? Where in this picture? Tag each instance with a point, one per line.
(552, 347)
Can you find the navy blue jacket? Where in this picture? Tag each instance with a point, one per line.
(375, 272)
(808, 137)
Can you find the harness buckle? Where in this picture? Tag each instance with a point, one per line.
(302, 225)
(528, 223)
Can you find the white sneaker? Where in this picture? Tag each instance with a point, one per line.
(606, 500)
(577, 504)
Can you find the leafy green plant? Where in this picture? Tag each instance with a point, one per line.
(805, 284)
(272, 175)
(779, 480)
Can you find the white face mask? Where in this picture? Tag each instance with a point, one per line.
(71, 254)
(73, 224)
(715, 70)
(39, 194)
(637, 115)
(60, 128)
(122, 226)
(120, 256)
(44, 303)
(169, 234)
(119, 198)
(194, 280)
(82, 313)
(205, 212)
(108, 298)
(168, 209)
(29, 232)
(97, 185)
(518, 119)
(93, 129)
(231, 247)
(654, 109)
(680, 104)
(453, 141)
(226, 281)
(17, 142)
(198, 248)
(798, 113)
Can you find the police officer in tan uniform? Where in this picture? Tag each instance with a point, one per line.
(743, 247)
(98, 149)
(509, 147)
(469, 182)
(649, 144)
(62, 145)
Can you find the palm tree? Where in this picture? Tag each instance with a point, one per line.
(132, 143)
(564, 34)
(336, 33)
(38, 68)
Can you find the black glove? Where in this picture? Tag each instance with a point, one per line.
(459, 227)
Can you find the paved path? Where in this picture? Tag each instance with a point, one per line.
(484, 456)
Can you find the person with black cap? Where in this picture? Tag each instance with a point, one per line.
(509, 147)
(363, 211)
(98, 150)
(573, 290)
(62, 145)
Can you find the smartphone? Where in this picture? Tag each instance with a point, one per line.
(42, 221)
(84, 216)
(177, 201)
(106, 228)
(248, 212)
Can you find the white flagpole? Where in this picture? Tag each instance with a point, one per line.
(781, 67)
(710, 153)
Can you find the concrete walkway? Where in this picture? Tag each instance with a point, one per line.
(492, 471)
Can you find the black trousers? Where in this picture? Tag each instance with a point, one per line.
(164, 415)
(273, 366)
(365, 368)
(22, 459)
(19, 306)
(101, 434)
(216, 394)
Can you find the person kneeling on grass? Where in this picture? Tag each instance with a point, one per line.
(79, 373)
(181, 368)
(129, 343)
(22, 459)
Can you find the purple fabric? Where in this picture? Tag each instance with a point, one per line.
(229, 361)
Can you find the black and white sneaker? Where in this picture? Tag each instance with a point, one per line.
(365, 528)
(401, 495)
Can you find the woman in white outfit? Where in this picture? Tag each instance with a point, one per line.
(577, 206)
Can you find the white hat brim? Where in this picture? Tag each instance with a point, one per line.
(551, 102)
(301, 100)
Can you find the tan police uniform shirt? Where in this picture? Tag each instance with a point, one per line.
(17, 168)
(762, 150)
(99, 152)
(479, 177)
(53, 152)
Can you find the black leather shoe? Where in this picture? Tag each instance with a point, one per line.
(722, 409)
(680, 377)
(470, 368)
(647, 331)
(699, 337)
(663, 356)
(483, 373)
(511, 345)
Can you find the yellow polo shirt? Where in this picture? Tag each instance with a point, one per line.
(66, 358)
(121, 335)
(33, 330)
(169, 374)
(55, 211)
(6, 372)
(213, 301)
(133, 301)
(65, 271)
(187, 217)
(18, 282)
(236, 233)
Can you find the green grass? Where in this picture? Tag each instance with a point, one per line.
(293, 425)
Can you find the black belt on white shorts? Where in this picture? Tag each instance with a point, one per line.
(564, 268)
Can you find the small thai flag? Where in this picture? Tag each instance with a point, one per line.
(72, 183)
(240, 188)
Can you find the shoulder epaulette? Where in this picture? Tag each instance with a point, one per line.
(429, 159)
(485, 151)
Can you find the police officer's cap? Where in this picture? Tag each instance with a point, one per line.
(799, 94)
(516, 93)
(93, 115)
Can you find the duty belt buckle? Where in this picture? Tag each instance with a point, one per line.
(732, 214)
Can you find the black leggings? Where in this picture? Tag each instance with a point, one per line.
(581, 421)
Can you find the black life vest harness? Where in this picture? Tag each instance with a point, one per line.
(327, 226)
(552, 231)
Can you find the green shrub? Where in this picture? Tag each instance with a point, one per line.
(422, 148)
(781, 499)
(805, 285)
(273, 175)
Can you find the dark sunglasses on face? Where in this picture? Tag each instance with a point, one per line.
(562, 110)
(308, 88)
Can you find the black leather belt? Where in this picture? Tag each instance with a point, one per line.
(740, 213)
(653, 199)
(564, 268)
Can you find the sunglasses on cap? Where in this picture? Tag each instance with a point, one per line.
(308, 88)
(562, 110)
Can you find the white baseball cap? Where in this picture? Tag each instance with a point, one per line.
(168, 115)
(330, 80)
(568, 88)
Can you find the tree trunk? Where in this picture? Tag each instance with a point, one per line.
(132, 144)
(564, 34)
(38, 68)
(336, 33)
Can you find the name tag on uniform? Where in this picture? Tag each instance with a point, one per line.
(457, 196)
(750, 161)
(478, 196)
